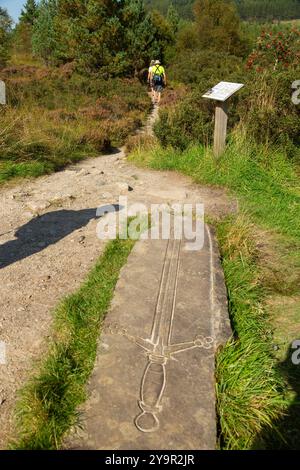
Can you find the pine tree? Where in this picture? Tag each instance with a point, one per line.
(23, 30)
(113, 36)
(217, 24)
(5, 32)
(45, 33)
(173, 17)
(139, 34)
(29, 13)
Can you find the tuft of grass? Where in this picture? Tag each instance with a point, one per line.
(250, 391)
(48, 403)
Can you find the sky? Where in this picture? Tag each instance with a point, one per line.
(13, 7)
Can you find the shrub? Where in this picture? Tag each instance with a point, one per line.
(279, 50)
(267, 111)
(187, 122)
(138, 142)
(203, 68)
(218, 25)
(264, 108)
(53, 119)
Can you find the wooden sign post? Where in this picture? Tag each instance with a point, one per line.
(221, 120)
(221, 93)
(2, 92)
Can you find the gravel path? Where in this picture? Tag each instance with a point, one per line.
(48, 244)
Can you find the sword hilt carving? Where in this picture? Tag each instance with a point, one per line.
(152, 389)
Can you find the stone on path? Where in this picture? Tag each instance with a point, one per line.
(124, 187)
(38, 206)
(153, 386)
(107, 195)
(83, 172)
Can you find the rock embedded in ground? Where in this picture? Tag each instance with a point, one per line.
(83, 172)
(28, 215)
(58, 198)
(107, 195)
(38, 206)
(2, 399)
(124, 187)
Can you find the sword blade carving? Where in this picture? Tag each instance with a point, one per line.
(154, 379)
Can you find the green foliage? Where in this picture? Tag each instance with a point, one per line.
(191, 121)
(29, 12)
(118, 37)
(184, 7)
(53, 119)
(250, 391)
(267, 184)
(147, 36)
(218, 25)
(187, 38)
(22, 38)
(268, 9)
(5, 31)
(203, 68)
(173, 17)
(263, 109)
(22, 35)
(273, 51)
(262, 10)
(253, 30)
(45, 40)
(266, 109)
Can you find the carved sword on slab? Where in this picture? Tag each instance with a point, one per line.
(159, 348)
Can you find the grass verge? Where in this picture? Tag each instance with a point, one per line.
(250, 391)
(48, 403)
(258, 395)
(265, 181)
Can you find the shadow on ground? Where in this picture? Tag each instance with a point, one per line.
(45, 230)
(284, 433)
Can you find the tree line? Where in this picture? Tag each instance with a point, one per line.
(116, 36)
(262, 10)
(269, 9)
(120, 37)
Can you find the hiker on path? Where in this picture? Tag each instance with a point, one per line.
(159, 80)
(150, 78)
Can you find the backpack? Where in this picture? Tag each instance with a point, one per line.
(157, 77)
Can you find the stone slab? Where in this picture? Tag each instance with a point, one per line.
(153, 386)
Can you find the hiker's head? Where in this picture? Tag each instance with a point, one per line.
(152, 62)
(157, 62)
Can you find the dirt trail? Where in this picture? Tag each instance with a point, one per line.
(48, 244)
